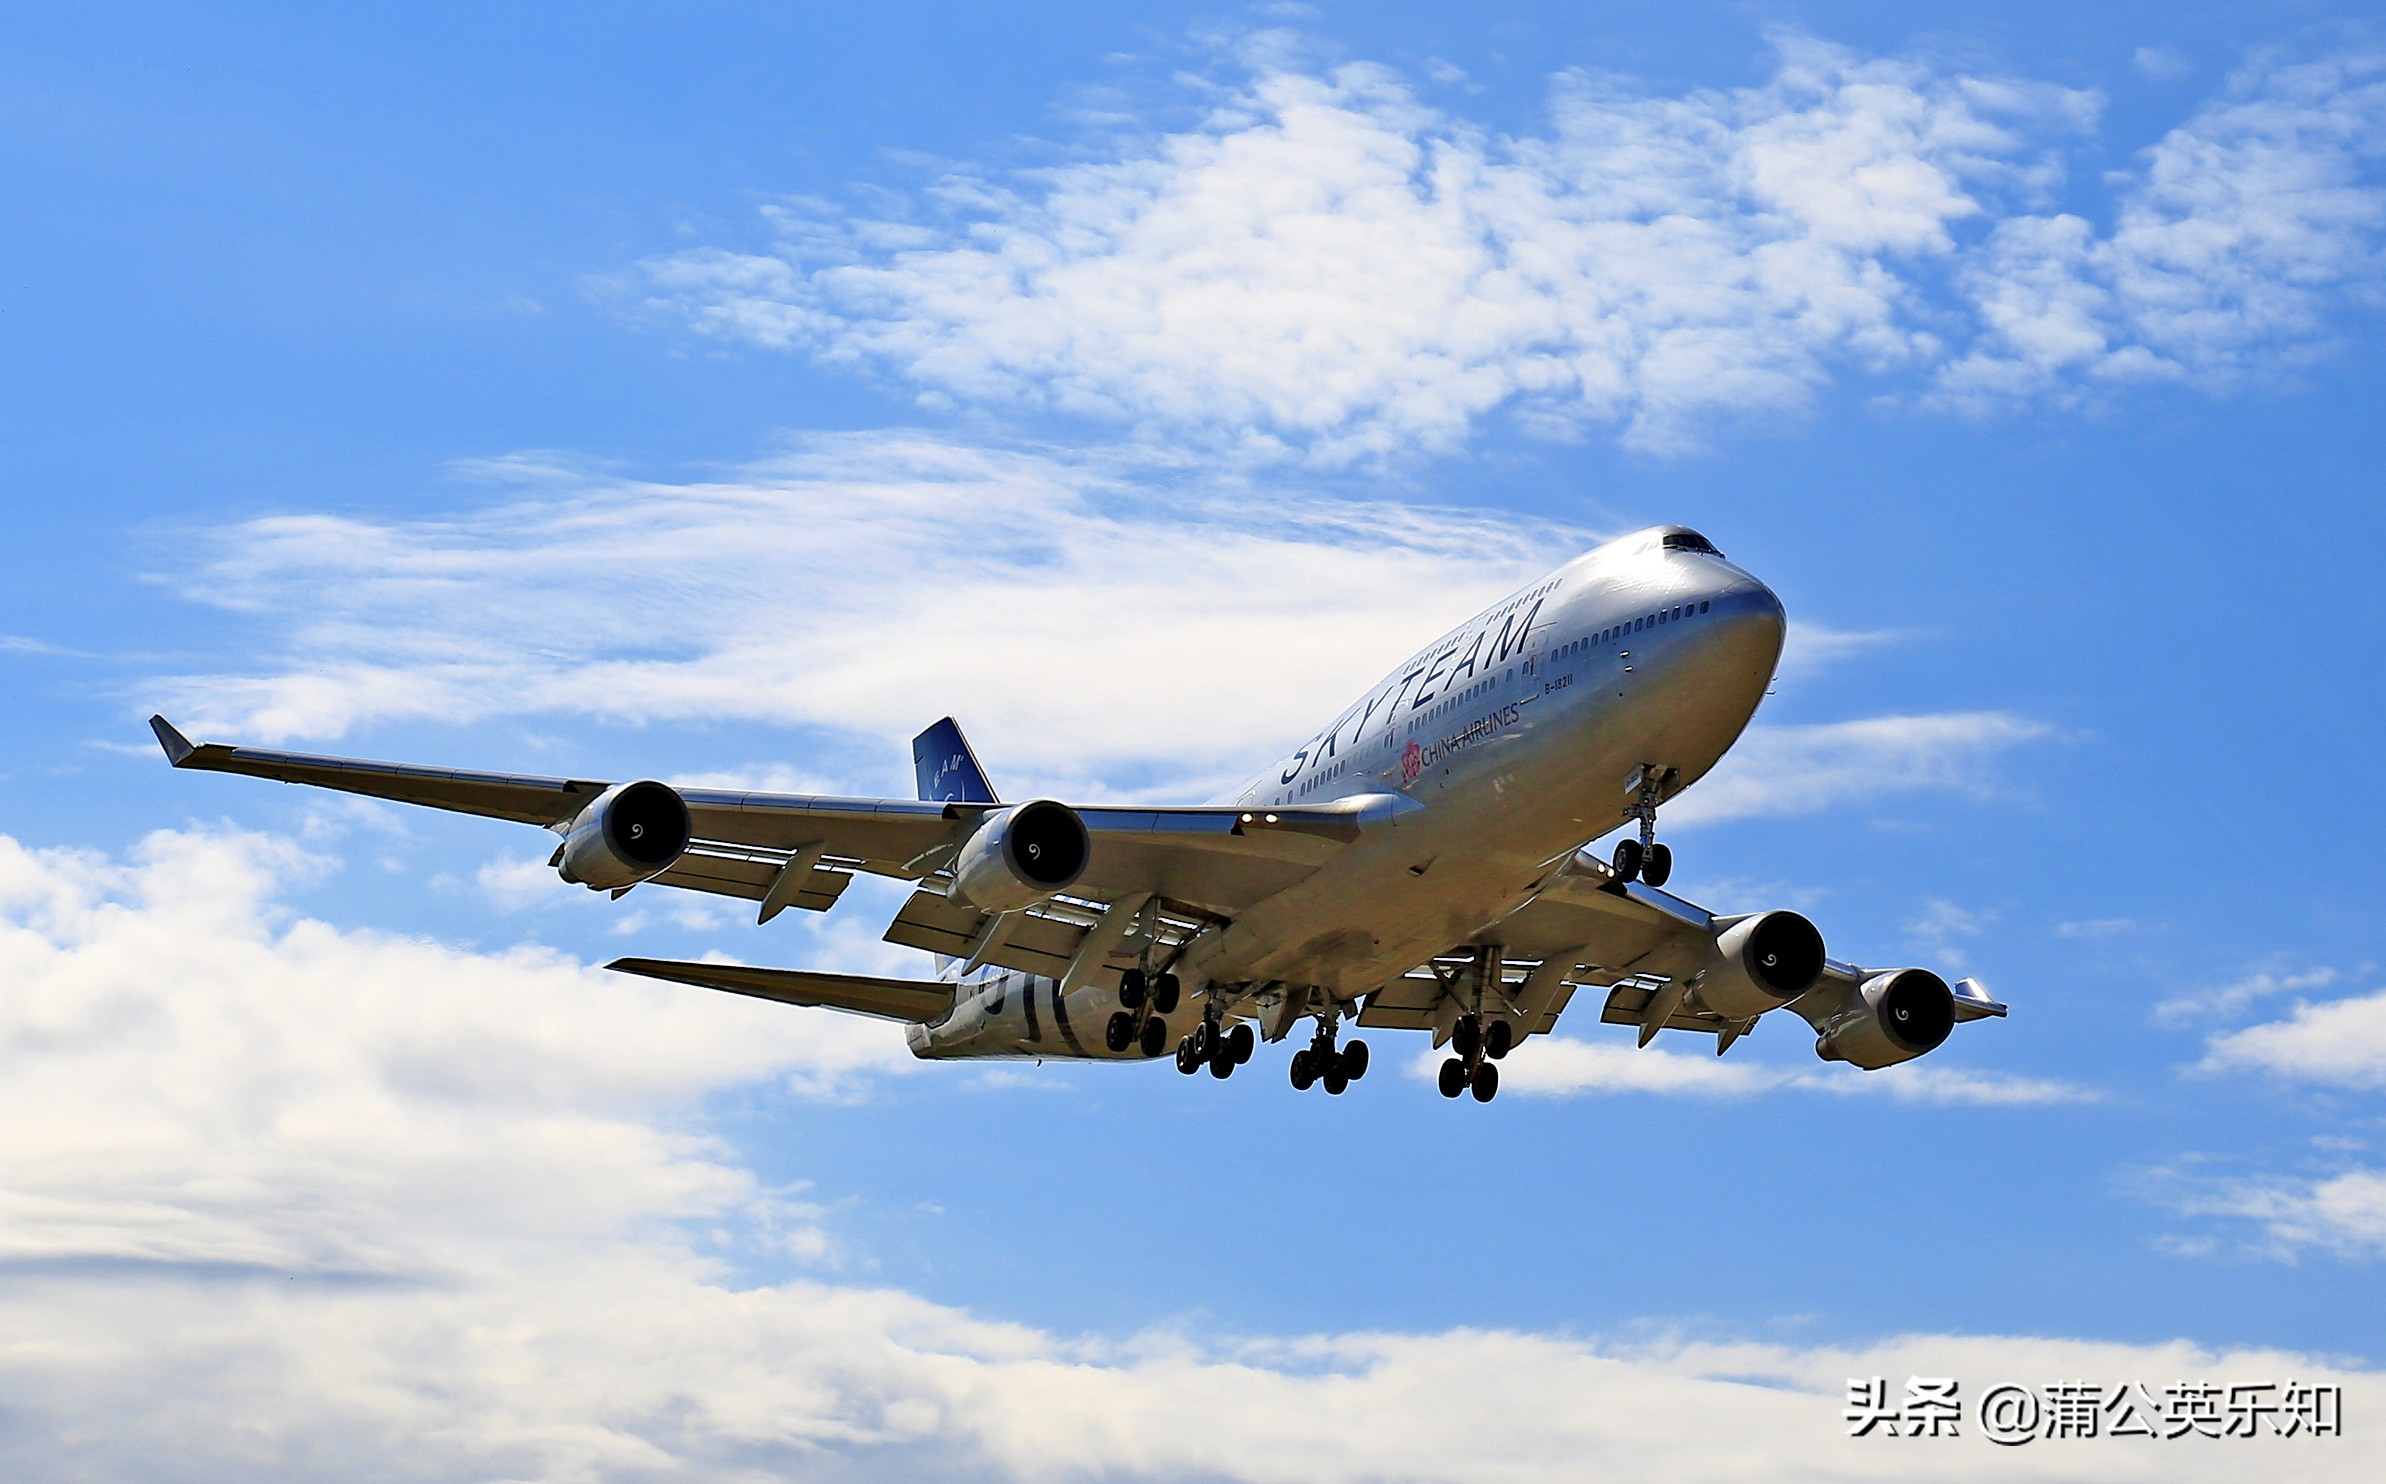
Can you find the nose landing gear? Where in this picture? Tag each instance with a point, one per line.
(1644, 859)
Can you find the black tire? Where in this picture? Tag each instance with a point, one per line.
(1659, 866)
(1453, 1079)
(1222, 1060)
(1354, 1060)
(1205, 1040)
(1498, 1038)
(1626, 860)
(1303, 1073)
(1164, 992)
(1243, 1043)
(1155, 1035)
(1118, 1033)
(1186, 1061)
(1466, 1038)
(1487, 1082)
(1336, 1083)
(1130, 989)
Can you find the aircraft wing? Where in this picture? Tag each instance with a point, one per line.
(889, 999)
(801, 850)
(1631, 940)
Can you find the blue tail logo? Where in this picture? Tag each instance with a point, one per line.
(948, 770)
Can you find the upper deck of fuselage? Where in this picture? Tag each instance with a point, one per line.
(1653, 571)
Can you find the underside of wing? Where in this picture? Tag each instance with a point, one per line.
(911, 1000)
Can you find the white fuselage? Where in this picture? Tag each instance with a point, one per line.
(1523, 732)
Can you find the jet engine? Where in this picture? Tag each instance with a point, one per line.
(627, 834)
(1894, 1016)
(1021, 855)
(1763, 962)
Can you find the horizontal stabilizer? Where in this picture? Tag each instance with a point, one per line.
(1974, 1002)
(889, 999)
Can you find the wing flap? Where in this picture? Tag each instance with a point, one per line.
(752, 876)
(1033, 944)
(910, 1000)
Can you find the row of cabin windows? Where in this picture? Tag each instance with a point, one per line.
(1609, 635)
(1323, 777)
(1455, 698)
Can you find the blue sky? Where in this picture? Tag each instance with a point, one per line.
(727, 393)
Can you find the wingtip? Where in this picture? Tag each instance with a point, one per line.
(177, 746)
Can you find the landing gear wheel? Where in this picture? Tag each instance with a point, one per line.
(1130, 989)
(1155, 1036)
(1626, 860)
(1497, 1038)
(1222, 1060)
(1487, 1082)
(1164, 992)
(1466, 1038)
(1304, 1071)
(1336, 1083)
(1453, 1080)
(1119, 1033)
(1354, 1060)
(1240, 1043)
(1659, 865)
(1186, 1061)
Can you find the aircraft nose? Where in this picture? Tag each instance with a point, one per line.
(1747, 623)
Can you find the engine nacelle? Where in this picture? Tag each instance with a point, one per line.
(1021, 855)
(1762, 963)
(1895, 1016)
(627, 834)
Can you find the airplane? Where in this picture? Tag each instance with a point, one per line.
(1422, 862)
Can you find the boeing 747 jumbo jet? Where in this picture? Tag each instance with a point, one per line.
(1421, 863)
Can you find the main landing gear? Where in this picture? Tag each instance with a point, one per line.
(1215, 1046)
(1144, 999)
(1477, 1047)
(1321, 1062)
(1644, 859)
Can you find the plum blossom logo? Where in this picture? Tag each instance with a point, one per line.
(1412, 762)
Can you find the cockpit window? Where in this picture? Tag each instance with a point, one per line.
(1689, 541)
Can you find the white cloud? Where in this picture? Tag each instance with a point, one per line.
(1567, 1066)
(2342, 1213)
(1328, 268)
(2231, 247)
(1781, 770)
(2096, 927)
(2337, 1042)
(2221, 1001)
(2161, 63)
(867, 584)
(285, 1200)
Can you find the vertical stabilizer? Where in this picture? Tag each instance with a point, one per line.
(948, 770)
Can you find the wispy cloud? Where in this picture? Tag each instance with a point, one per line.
(2340, 1043)
(2341, 1213)
(1071, 617)
(2222, 1001)
(1781, 770)
(1083, 626)
(1568, 1066)
(1328, 268)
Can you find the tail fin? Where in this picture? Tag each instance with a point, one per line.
(948, 770)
